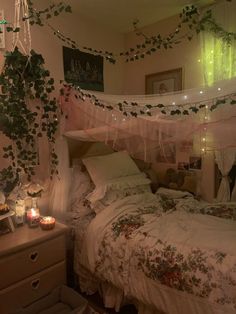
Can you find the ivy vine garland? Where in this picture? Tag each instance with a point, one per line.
(27, 111)
(189, 19)
(132, 109)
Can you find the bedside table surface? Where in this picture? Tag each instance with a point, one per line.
(25, 236)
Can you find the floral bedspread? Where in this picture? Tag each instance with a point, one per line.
(179, 244)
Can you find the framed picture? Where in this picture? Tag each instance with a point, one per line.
(2, 31)
(83, 69)
(164, 82)
(195, 162)
(167, 154)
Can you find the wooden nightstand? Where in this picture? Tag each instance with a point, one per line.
(32, 263)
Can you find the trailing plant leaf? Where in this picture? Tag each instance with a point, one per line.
(27, 111)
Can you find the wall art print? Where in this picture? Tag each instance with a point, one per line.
(166, 154)
(2, 30)
(164, 82)
(83, 69)
(195, 162)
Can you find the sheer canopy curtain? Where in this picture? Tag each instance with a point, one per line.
(225, 160)
(218, 58)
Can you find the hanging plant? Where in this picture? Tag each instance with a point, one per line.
(27, 112)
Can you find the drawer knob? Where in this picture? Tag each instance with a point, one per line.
(35, 284)
(34, 256)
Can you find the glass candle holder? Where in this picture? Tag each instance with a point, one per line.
(33, 217)
(19, 212)
(47, 223)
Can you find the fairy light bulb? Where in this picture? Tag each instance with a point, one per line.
(173, 103)
(206, 107)
(219, 89)
(203, 149)
(185, 96)
(201, 92)
(204, 139)
(199, 60)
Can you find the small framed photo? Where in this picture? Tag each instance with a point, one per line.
(164, 82)
(2, 30)
(183, 165)
(195, 162)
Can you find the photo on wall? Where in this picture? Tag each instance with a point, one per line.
(83, 69)
(167, 154)
(164, 82)
(195, 162)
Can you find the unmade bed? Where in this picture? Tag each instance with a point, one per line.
(165, 252)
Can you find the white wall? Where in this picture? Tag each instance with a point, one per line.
(85, 32)
(122, 78)
(184, 55)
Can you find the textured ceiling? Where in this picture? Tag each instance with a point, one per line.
(120, 14)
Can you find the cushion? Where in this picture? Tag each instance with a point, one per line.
(119, 184)
(174, 194)
(107, 167)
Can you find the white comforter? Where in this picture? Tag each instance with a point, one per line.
(159, 252)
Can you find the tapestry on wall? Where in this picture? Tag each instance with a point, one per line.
(83, 69)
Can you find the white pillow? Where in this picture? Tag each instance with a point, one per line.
(118, 184)
(108, 167)
(118, 189)
(173, 193)
(81, 186)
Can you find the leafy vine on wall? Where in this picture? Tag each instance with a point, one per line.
(27, 111)
(27, 108)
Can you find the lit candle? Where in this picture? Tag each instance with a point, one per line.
(33, 217)
(47, 223)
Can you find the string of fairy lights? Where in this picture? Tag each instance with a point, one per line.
(189, 17)
(128, 109)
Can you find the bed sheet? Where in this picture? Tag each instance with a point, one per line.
(164, 253)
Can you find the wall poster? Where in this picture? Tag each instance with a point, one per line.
(83, 69)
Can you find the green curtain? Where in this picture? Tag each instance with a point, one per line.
(218, 58)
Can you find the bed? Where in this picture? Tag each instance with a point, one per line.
(166, 252)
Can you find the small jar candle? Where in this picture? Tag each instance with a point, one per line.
(47, 223)
(20, 212)
(33, 217)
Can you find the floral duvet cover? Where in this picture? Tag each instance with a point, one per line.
(174, 244)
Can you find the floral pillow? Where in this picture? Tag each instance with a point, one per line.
(222, 210)
(118, 189)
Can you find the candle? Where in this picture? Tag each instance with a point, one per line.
(47, 223)
(33, 217)
(20, 212)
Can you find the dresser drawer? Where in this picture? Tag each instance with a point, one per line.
(31, 289)
(31, 260)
